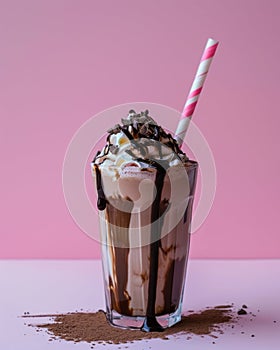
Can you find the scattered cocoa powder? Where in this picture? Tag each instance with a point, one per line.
(93, 327)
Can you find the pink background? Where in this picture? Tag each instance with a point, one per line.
(64, 61)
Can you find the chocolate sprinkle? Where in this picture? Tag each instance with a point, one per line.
(242, 312)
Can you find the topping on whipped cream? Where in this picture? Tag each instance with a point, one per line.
(139, 138)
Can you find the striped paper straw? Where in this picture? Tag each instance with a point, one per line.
(195, 91)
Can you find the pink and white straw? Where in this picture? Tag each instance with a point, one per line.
(195, 91)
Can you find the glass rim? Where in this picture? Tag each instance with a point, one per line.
(190, 163)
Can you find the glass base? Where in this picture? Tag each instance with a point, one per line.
(140, 322)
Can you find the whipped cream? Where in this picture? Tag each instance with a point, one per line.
(139, 138)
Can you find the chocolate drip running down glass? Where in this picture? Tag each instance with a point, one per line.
(145, 186)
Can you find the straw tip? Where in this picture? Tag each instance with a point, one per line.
(212, 41)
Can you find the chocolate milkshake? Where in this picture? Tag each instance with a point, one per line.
(145, 187)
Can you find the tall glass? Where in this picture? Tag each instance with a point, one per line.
(145, 236)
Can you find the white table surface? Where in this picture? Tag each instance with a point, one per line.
(48, 286)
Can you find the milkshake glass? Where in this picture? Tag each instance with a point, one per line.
(145, 209)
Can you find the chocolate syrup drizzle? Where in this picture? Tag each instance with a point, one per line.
(151, 324)
(139, 126)
(101, 199)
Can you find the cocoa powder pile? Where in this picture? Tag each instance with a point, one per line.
(93, 327)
